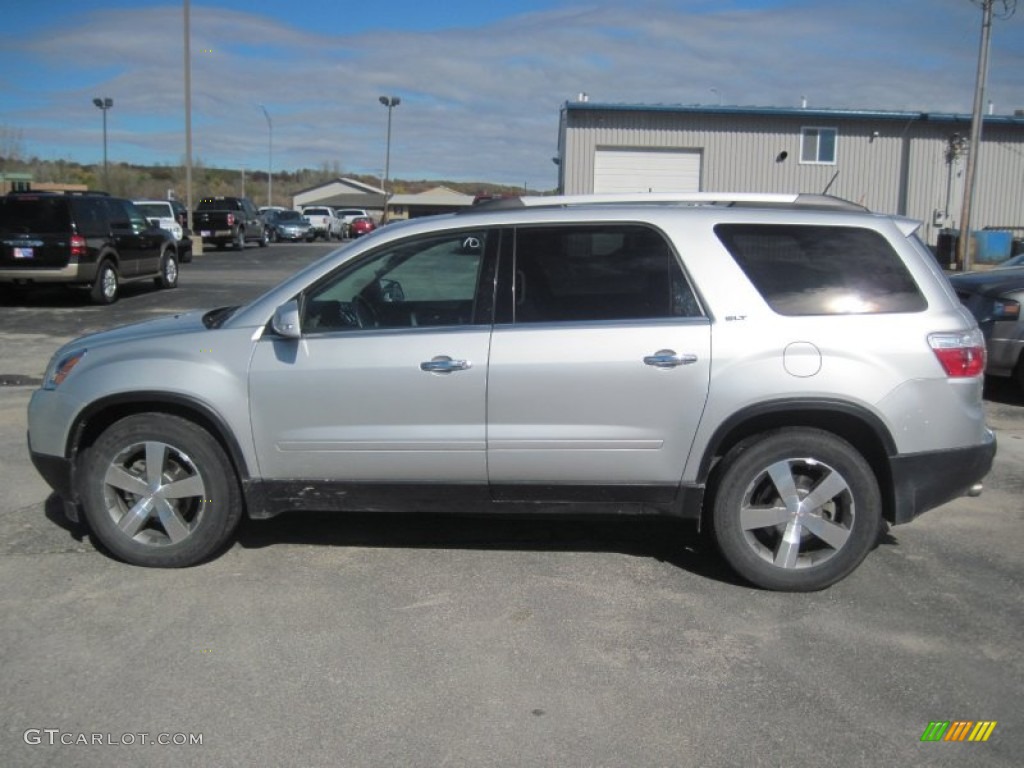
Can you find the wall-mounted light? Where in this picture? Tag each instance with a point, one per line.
(781, 156)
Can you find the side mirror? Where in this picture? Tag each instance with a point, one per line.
(391, 291)
(286, 322)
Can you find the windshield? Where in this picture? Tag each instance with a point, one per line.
(154, 210)
(289, 216)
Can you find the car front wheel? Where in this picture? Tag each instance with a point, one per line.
(795, 509)
(159, 491)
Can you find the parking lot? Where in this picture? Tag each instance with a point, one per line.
(422, 640)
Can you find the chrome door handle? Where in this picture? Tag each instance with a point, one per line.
(444, 364)
(667, 358)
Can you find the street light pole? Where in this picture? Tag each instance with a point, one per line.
(104, 104)
(270, 157)
(390, 102)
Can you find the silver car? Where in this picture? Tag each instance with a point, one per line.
(754, 363)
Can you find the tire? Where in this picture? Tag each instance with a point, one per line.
(273, 236)
(189, 518)
(240, 240)
(264, 239)
(168, 277)
(106, 287)
(830, 535)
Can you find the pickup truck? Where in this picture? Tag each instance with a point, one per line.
(172, 216)
(325, 223)
(229, 220)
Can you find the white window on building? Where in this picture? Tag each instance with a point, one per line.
(818, 145)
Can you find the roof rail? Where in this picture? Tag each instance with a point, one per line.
(740, 199)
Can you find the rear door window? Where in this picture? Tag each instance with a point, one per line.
(822, 270)
(597, 273)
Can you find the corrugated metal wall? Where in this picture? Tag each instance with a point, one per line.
(902, 169)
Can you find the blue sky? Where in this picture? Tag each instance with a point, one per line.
(481, 82)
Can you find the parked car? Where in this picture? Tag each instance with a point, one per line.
(288, 225)
(994, 297)
(753, 363)
(1013, 261)
(325, 224)
(361, 226)
(347, 216)
(172, 216)
(92, 240)
(231, 221)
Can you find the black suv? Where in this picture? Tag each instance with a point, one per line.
(87, 239)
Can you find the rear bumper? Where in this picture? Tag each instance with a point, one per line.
(72, 273)
(923, 481)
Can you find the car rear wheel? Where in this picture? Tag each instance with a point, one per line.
(106, 287)
(264, 239)
(795, 509)
(240, 240)
(159, 491)
(168, 277)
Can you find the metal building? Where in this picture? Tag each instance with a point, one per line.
(909, 163)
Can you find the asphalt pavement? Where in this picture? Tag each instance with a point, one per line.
(423, 640)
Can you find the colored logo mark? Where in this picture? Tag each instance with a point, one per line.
(959, 730)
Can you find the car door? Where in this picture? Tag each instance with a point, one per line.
(386, 388)
(600, 362)
(138, 242)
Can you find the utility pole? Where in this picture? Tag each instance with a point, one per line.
(963, 248)
(963, 251)
(188, 115)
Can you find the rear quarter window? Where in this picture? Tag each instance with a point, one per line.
(822, 270)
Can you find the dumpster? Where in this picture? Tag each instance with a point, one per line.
(992, 246)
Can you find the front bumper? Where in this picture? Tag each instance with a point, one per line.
(57, 471)
(923, 481)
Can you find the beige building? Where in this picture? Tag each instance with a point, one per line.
(908, 163)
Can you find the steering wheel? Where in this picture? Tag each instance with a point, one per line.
(366, 315)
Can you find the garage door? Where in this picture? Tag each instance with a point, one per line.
(646, 170)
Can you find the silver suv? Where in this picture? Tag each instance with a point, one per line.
(785, 370)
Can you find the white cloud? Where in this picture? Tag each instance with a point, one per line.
(481, 102)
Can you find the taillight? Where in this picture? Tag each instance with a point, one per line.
(231, 219)
(78, 248)
(962, 354)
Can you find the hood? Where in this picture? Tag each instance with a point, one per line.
(173, 325)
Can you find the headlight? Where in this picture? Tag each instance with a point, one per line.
(58, 370)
